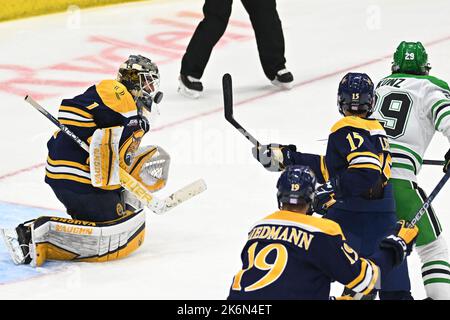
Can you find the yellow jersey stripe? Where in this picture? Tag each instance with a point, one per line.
(365, 166)
(366, 154)
(324, 225)
(78, 123)
(375, 276)
(123, 149)
(324, 169)
(92, 106)
(68, 163)
(357, 122)
(106, 156)
(77, 111)
(58, 176)
(360, 277)
(138, 161)
(114, 187)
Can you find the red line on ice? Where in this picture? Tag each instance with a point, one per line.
(15, 173)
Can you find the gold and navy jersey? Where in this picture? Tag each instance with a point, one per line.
(107, 104)
(295, 256)
(358, 155)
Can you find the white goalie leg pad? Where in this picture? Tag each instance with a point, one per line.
(435, 269)
(104, 157)
(66, 239)
(150, 166)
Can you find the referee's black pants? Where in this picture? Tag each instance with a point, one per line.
(266, 24)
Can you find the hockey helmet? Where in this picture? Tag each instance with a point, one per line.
(296, 184)
(356, 94)
(411, 58)
(141, 77)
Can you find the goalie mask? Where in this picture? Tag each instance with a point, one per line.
(141, 77)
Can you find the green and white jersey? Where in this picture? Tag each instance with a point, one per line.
(411, 109)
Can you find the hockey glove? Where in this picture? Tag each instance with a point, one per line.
(447, 161)
(138, 126)
(324, 198)
(139, 123)
(272, 156)
(401, 241)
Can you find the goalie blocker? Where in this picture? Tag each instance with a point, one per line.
(54, 238)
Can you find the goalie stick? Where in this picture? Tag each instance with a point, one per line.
(155, 204)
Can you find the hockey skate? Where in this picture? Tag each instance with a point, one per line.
(190, 86)
(18, 243)
(284, 79)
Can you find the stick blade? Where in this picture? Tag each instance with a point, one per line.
(182, 195)
(227, 86)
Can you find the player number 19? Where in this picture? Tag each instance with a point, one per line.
(274, 269)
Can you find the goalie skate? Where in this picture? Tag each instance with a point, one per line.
(19, 252)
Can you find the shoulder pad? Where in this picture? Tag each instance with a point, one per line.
(306, 222)
(370, 125)
(116, 97)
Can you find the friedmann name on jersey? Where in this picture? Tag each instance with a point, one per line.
(300, 238)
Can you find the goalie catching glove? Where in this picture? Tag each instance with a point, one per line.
(150, 167)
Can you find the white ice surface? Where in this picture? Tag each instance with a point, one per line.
(194, 251)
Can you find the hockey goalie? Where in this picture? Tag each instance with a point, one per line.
(106, 221)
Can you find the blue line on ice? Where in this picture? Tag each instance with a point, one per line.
(10, 216)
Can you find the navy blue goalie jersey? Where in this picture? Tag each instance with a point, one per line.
(296, 256)
(107, 104)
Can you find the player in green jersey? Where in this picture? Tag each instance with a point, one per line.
(412, 106)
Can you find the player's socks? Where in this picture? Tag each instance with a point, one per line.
(436, 278)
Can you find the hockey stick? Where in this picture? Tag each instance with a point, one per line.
(431, 197)
(228, 107)
(155, 204)
(434, 162)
